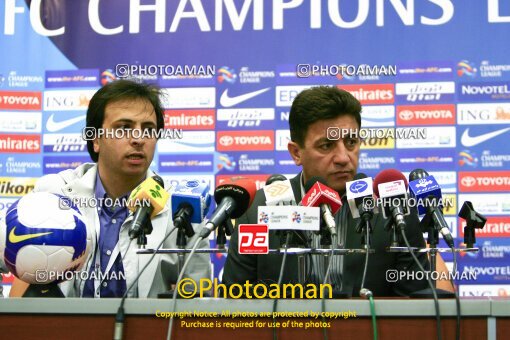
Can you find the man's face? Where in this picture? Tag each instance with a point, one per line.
(334, 160)
(127, 156)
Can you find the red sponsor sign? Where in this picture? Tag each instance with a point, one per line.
(496, 226)
(372, 93)
(190, 119)
(319, 194)
(261, 140)
(484, 181)
(20, 100)
(260, 180)
(20, 143)
(253, 239)
(426, 114)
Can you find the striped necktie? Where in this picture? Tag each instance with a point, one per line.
(317, 264)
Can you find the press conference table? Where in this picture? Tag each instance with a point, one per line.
(72, 318)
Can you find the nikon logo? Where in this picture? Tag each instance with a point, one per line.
(8, 188)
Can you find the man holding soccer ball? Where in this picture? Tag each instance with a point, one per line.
(121, 162)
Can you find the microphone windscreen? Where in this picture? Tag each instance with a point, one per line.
(275, 178)
(425, 189)
(320, 193)
(388, 175)
(241, 189)
(279, 193)
(417, 174)
(159, 180)
(196, 195)
(149, 191)
(360, 176)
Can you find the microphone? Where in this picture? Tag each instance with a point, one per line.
(473, 220)
(151, 190)
(190, 203)
(275, 178)
(421, 187)
(426, 191)
(360, 195)
(391, 186)
(278, 191)
(318, 194)
(233, 199)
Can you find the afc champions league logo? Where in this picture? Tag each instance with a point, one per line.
(263, 217)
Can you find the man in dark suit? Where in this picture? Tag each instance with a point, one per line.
(313, 112)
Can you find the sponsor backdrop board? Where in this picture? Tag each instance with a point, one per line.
(230, 71)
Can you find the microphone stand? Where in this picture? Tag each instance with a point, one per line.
(181, 244)
(224, 230)
(142, 237)
(184, 230)
(395, 238)
(427, 225)
(325, 242)
(289, 239)
(364, 226)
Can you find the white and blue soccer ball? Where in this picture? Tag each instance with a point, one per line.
(41, 238)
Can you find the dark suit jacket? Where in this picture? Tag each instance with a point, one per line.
(265, 268)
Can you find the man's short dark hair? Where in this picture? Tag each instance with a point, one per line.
(120, 90)
(320, 103)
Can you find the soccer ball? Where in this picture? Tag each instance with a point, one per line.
(43, 237)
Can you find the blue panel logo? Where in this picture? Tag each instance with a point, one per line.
(358, 187)
(186, 163)
(55, 164)
(72, 78)
(20, 165)
(63, 122)
(483, 92)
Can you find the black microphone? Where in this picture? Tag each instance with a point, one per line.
(426, 191)
(473, 220)
(417, 174)
(146, 200)
(275, 178)
(190, 203)
(233, 199)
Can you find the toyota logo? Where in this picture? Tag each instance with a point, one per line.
(226, 140)
(406, 114)
(468, 181)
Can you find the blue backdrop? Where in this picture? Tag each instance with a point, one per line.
(229, 70)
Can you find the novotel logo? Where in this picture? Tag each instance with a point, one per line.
(358, 186)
